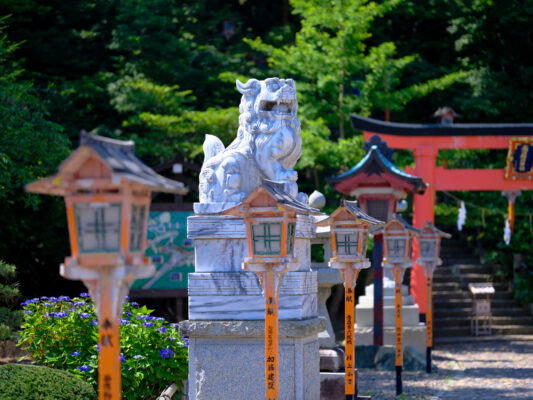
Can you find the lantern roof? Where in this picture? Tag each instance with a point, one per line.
(377, 170)
(276, 191)
(119, 163)
(397, 220)
(351, 207)
(428, 226)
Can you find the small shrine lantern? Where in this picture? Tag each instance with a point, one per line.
(398, 236)
(107, 192)
(270, 215)
(429, 239)
(349, 234)
(349, 238)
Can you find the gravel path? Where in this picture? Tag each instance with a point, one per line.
(471, 371)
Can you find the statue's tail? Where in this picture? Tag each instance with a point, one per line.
(212, 146)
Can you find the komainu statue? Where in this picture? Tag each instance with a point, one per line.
(267, 145)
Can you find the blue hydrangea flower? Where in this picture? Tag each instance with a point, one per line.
(171, 338)
(166, 353)
(84, 368)
(128, 313)
(44, 298)
(85, 315)
(137, 356)
(47, 304)
(94, 322)
(134, 303)
(63, 298)
(148, 324)
(52, 299)
(124, 321)
(75, 353)
(122, 358)
(140, 317)
(98, 347)
(28, 312)
(162, 329)
(60, 314)
(84, 294)
(174, 325)
(79, 303)
(186, 341)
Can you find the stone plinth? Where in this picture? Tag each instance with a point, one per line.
(414, 332)
(227, 310)
(227, 359)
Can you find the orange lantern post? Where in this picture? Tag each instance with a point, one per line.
(398, 235)
(270, 216)
(429, 239)
(107, 193)
(349, 234)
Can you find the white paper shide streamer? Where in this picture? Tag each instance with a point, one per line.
(461, 217)
(507, 232)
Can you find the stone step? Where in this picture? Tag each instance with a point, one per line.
(464, 269)
(463, 294)
(461, 303)
(496, 330)
(465, 321)
(467, 311)
(450, 259)
(471, 278)
(463, 286)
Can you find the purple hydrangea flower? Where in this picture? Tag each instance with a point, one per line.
(171, 338)
(85, 315)
(159, 319)
(174, 325)
(122, 358)
(166, 353)
(63, 298)
(79, 303)
(134, 303)
(124, 321)
(47, 304)
(84, 294)
(128, 313)
(186, 341)
(94, 322)
(148, 324)
(60, 314)
(52, 299)
(28, 312)
(140, 317)
(137, 356)
(84, 368)
(75, 353)
(98, 347)
(44, 298)
(162, 329)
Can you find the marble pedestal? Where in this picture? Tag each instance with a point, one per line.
(226, 316)
(414, 332)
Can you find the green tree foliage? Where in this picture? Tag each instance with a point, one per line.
(10, 319)
(31, 146)
(339, 72)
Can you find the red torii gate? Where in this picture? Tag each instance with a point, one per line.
(425, 140)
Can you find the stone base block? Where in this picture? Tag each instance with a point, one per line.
(332, 385)
(227, 359)
(412, 336)
(364, 315)
(331, 360)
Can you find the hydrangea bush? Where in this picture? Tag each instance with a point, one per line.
(63, 333)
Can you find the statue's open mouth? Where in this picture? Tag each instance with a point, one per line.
(279, 107)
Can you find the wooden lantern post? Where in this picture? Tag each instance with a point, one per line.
(429, 239)
(397, 235)
(270, 216)
(107, 193)
(349, 234)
